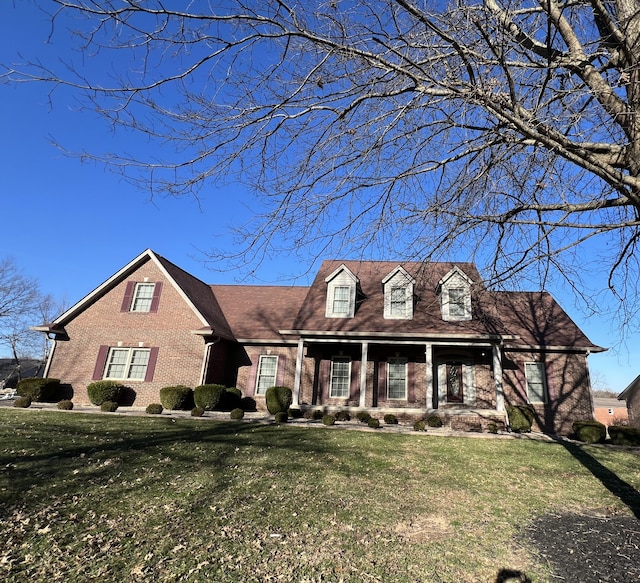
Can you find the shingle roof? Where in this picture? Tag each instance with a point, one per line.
(259, 312)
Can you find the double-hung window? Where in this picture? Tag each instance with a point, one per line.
(340, 377)
(536, 382)
(142, 297)
(127, 364)
(396, 378)
(267, 369)
(341, 299)
(398, 301)
(457, 302)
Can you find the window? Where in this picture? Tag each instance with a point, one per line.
(456, 302)
(340, 377)
(143, 297)
(267, 368)
(536, 382)
(398, 301)
(397, 378)
(127, 363)
(341, 297)
(398, 294)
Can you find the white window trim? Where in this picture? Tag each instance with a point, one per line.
(398, 279)
(128, 364)
(341, 359)
(264, 358)
(138, 297)
(397, 360)
(341, 278)
(543, 373)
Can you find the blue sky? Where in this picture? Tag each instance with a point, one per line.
(72, 224)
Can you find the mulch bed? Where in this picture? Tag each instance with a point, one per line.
(588, 549)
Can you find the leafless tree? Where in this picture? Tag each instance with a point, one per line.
(503, 131)
(22, 305)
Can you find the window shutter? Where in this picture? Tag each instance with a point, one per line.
(251, 378)
(411, 389)
(157, 290)
(151, 365)
(382, 380)
(101, 361)
(282, 359)
(354, 381)
(128, 296)
(325, 380)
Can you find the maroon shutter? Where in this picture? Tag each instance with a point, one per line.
(151, 365)
(411, 385)
(98, 371)
(354, 381)
(382, 380)
(157, 290)
(251, 379)
(282, 359)
(325, 380)
(128, 296)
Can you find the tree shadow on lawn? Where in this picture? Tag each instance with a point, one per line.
(166, 448)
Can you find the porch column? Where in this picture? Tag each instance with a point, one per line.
(363, 373)
(497, 376)
(295, 400)
(428, 351)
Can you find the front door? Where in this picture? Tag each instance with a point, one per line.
(455, 390)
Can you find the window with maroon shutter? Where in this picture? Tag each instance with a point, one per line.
(141, 297)
(125, 363)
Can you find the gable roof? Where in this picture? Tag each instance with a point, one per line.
(631, 388)
(196, 294)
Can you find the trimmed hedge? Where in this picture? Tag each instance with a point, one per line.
(208, 397)
(373, 423)
(39, 389)
(102, 391)
(154, 409)
(109, 407)
(22, 402)
(624, 435)
(329, 420)
(420, 425)
(434, 421)
(236, 414)
(390, 419)
(197, 412)
(520, 418)
(231, 399)
(65, 405)
(176, 397)
(281, 417)
(363, 416)
(278, 399)
(342, 416)
(589, 431)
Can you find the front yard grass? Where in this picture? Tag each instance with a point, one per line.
(121, 498)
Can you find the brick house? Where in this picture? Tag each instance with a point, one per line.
(632, 396)
(409, 338)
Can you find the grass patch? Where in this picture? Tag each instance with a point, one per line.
(88, 497)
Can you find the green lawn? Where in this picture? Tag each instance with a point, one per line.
(124, 498)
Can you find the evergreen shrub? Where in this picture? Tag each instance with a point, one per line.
(434, 421)
(589, 431)
(278, 399)
(520, 418)
(22, 402)
(197, 412)
(39, 389)
(65, 405)
(363, 416)
(343, 416)
(101, 391)
(108, 406)
(281, 417)
(295, 413)
(208, 397)
(329, 420)
(373, 423)
(176, 397)
(154, 409)
(624, 435)
(231, 399)
(236, 414)
(390, 419)
(420, 425)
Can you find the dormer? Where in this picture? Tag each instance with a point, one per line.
(454, 290)
(341, 293)
(398, 295)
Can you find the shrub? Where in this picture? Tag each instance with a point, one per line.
(197, 412)
(434, 421)
(65, 405)
(329, 420)
(420, 425)
(236, 414)
(343, 416)
(38, 389)
(248, 404)
(492, 427)
(281, 417)
(624, 435)
(154, 409)
(390, 419)
(278, 399)
(108, 406)
(102, 391)
(295, 413)
(208, 397)
(520, 418)
(176, 397)
(589, 431)
(373, 423)
(22, 402)
(231, 399)
(363, 416)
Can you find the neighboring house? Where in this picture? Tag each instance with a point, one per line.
(408, 338)
(632, 396)
(11, 371)
(610, 411)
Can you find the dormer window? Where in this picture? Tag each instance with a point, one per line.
(398, 295)
(341, 293)
(455, 296)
